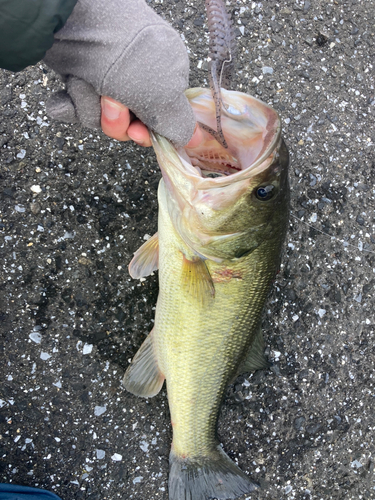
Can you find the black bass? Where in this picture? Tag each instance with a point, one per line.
(223, 212)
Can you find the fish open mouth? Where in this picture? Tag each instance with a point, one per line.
(251, 129)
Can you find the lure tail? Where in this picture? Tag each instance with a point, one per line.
(216, 476)
(222, 51)
(222, 43)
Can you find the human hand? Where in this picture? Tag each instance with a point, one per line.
(118, 122)
(123, 50)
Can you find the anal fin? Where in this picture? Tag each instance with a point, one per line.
(146, 259)
(143, 377)
(255, 358)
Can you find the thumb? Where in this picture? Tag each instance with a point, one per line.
(115, 119)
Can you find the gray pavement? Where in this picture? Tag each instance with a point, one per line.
(74, 207)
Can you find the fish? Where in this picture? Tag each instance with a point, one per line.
(223, 216)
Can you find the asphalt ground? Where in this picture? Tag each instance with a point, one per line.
(75, 205)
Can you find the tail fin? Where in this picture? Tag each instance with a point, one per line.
(216, 476)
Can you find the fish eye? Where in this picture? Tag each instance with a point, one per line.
(265, 193)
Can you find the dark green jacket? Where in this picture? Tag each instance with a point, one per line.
(27, 28)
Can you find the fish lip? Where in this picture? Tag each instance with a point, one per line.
(203, 183)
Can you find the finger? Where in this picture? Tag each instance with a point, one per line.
(139, 133)
(86, 101)
(60, 107)
(115, 119)
(196, 139)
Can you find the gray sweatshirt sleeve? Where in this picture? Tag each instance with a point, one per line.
(124, 50)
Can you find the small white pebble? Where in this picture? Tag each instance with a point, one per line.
(21, 154)
(99, 410)
(144, 446)
(36, 189)
(87, 349)
(35, 337)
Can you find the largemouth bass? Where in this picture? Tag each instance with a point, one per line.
(223, 215)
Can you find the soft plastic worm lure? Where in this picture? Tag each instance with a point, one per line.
(222, 49)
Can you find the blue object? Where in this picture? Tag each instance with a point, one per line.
(14, 492)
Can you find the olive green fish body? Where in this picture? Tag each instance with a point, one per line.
(222, 221)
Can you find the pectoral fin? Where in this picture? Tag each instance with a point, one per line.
(143, 377)
(197, 279)
(146, 259)
(255, 359)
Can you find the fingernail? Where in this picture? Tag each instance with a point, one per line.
(135, 139)
(140, 143)
(110, 109)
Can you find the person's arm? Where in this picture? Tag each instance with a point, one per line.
(27, 29)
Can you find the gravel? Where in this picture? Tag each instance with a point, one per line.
(75, 205)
